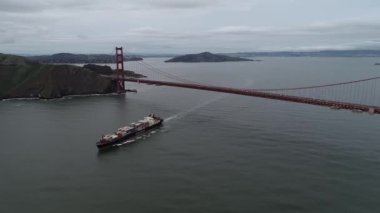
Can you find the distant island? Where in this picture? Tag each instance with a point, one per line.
(80, 58)
(206, 57)
(377, 64)
(23, 78)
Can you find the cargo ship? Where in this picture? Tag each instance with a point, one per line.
(126, 132)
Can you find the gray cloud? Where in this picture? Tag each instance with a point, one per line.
(335, 28)
(155, 33)
(82, 37)
(19, 6)
(238, 38)
(184, 25)
(354, 29)
(33, 6)
(187, 4)
(8, 40)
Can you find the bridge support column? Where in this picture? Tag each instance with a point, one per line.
(120, 70)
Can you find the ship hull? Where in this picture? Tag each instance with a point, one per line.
(118, 140)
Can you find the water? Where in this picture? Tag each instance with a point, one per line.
(215, 152)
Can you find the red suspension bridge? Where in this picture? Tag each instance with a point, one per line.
(358, 95)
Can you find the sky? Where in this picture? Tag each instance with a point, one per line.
(187, 26)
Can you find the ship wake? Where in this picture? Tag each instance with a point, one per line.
(195, 108)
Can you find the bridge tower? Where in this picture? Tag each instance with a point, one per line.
(120, 70)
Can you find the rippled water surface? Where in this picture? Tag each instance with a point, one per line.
(215, 152)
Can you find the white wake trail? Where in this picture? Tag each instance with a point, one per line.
(196, 107)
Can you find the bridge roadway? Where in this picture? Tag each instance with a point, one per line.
(267, 95)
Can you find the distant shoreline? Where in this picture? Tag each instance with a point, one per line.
(322, 54)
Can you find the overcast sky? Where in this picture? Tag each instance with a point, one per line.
(187, 26)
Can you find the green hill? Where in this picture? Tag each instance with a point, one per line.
(23, 78)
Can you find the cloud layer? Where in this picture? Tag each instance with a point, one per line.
(181, 26)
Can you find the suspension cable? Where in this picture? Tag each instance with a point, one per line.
(319, 86)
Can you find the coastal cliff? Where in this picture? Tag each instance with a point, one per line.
(23, 78)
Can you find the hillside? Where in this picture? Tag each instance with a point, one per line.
(205, 57)
(106, 70)
(23, 78)
(80, 58)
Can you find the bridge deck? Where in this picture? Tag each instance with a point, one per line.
(267, 95)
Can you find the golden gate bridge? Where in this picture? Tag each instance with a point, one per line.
(357, 96)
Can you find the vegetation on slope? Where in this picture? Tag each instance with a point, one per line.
(22, 78)
(106, 70)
